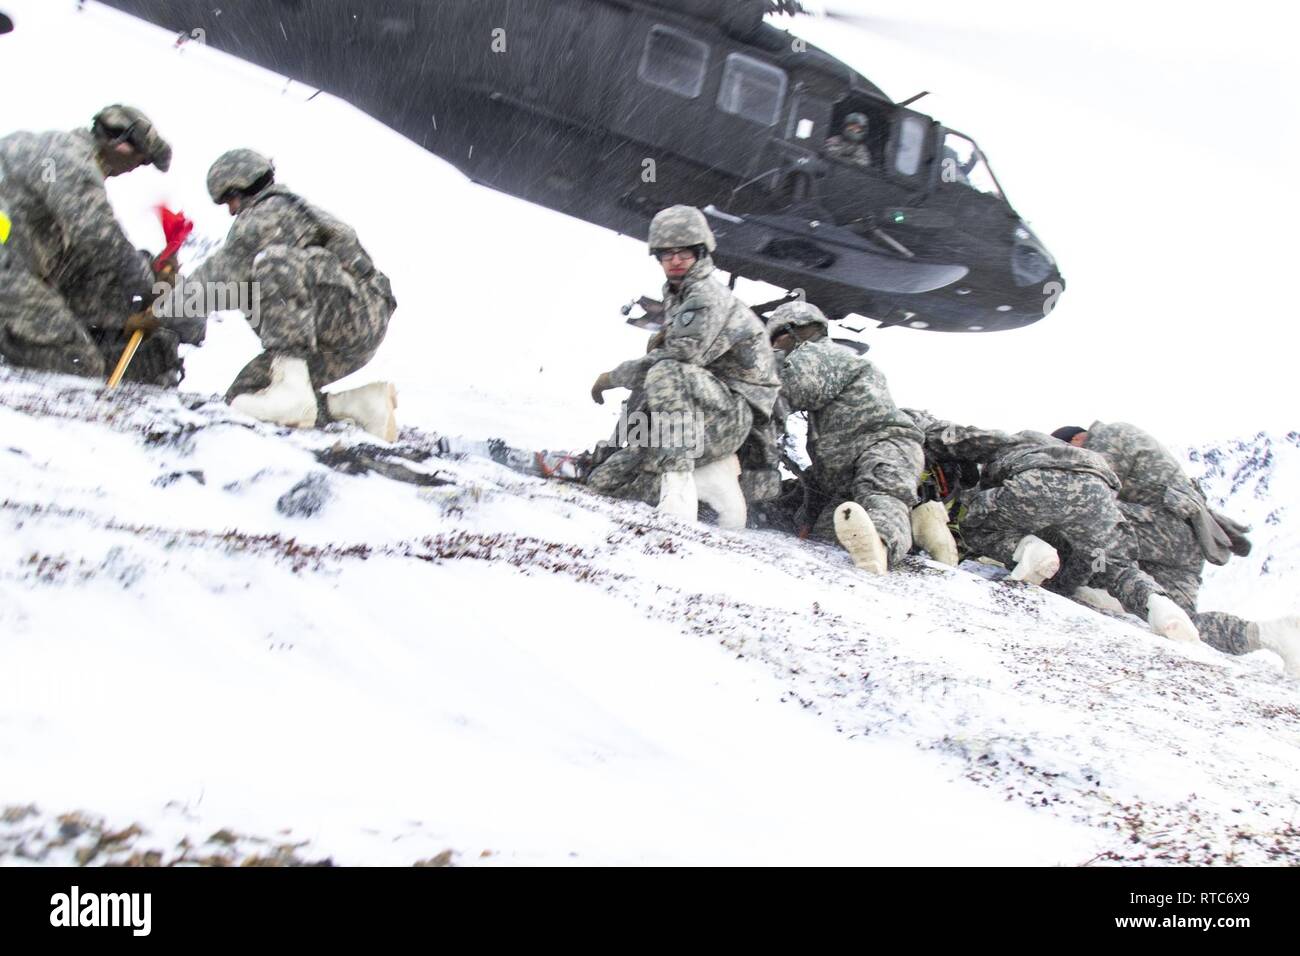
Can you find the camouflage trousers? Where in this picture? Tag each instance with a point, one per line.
(311, 308)
(883, 479)
(1075, 513)
(1167, 549)
(703, 420)
(39, 331)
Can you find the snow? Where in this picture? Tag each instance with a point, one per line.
(507, 666)
(517, 666)
(1253, 480)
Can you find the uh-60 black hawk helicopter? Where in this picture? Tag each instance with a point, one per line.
(610, 110)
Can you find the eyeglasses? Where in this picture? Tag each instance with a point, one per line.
(118, 135)
(664, 255)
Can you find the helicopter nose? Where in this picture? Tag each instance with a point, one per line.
(1031, 263)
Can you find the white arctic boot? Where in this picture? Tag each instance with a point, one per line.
(857, 532)
(1168, 619)
(677, 496)
(288, 400)
(372, 407)
(930, 531)
(717, 484)
(1098, 599)
(1036, 560)
(1282, 637)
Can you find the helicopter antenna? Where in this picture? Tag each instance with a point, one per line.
(912, 99)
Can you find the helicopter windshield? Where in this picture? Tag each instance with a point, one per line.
(964, 163)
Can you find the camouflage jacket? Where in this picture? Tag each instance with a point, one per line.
(1005, 455)
(1156, 493)
(1146, 469)
(848, 404)
(63, 228)
(710, 327)
(840, 148)
(279, 217)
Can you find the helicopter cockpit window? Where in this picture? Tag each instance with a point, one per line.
(911, 145)
(674, 61)
(962, 162)
(752, 89)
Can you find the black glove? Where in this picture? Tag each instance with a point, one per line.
(1236, 532)
(144, 321)
(1215, 543)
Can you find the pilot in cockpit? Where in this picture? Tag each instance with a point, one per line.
(850, 144)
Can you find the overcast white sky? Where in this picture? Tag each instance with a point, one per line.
(1151, 145)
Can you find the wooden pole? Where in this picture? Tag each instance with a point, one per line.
(128, 353)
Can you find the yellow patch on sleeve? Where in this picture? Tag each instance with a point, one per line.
(4, 228)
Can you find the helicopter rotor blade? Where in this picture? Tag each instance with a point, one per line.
(921, 34)
(862, 20)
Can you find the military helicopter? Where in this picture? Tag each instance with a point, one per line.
(609, 110)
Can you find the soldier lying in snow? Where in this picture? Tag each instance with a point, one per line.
(1049, 511)
(1173, 532)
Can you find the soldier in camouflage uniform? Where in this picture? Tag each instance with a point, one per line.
(709, 376)
(1173, 532)
(851, 145)
(866, 454)
(1049, 510)
(69, 277)
(323, 307)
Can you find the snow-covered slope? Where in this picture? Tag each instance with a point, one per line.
(215, 643)
(1255, 480)
(209, 627)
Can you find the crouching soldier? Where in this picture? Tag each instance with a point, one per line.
(1048, 510)
(69, 277)
(1174, 532)
(706, 384)
(866, 454)
(322, 308)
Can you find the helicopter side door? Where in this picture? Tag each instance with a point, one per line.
(864, 193)
(787, 168)
(910, 161)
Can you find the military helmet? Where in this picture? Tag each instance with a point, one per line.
(793, 315)
(237, 171)
(126, 124)
(680, 227)
(855, 119)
